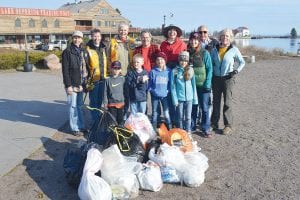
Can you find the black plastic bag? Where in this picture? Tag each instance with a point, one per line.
(100, 132)
(128, 142)
(74, 161)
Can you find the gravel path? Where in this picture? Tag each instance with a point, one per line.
(259, 160)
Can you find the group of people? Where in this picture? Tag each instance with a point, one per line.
(180, 78)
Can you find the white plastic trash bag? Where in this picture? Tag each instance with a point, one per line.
(192, 177)
(193, 172)
(118, 170)
(141, 126)
(197, 159)
(168, 156)
(150, 177)
(93, 187)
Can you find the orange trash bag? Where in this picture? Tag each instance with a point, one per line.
(175, 137)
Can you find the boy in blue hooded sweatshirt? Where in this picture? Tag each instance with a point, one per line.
(159, 87)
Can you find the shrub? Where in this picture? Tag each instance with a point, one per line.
(262, 53)
(12, 59)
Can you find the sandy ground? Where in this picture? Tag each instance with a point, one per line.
(260, 160)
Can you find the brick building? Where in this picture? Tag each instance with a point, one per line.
(43, 25)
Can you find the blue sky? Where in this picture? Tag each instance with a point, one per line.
(276, 17)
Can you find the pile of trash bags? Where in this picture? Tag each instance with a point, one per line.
(134, 157)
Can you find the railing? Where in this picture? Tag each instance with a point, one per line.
(83, 28)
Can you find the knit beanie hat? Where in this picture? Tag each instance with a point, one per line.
(184, 56)
(162, 55)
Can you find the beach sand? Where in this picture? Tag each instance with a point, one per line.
(259, 160)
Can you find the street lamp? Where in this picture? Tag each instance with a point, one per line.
(27, 65)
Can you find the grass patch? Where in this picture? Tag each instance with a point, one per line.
(264, 53)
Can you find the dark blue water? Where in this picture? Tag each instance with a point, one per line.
(286, 44)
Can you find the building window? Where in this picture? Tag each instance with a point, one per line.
(31, 23)
(113, 24)
(98, 23)
(106, 23)
(56, 23)
(44, 23)
(18, 23)
(2, 39)
(103, 11)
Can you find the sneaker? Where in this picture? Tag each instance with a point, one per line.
(227, 130)
(208, 134)
(77, 133)
(214, 127)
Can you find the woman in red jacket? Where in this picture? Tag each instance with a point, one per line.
(173, 45)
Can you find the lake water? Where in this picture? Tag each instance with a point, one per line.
(286, 44)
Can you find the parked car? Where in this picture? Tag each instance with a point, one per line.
(42, 46)
(58, 45)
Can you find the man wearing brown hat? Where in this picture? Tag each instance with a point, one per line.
(74, 72)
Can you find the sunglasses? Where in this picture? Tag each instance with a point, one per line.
(202, 32)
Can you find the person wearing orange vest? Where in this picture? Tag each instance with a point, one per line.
(121, 48)
(97, 62)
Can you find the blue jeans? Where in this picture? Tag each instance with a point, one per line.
(138, 106)
(201, 111)
(172, 110)
(184, 112)
(155, 104)
(75, 102)
(96, 98)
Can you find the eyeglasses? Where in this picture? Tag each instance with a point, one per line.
(204, 32)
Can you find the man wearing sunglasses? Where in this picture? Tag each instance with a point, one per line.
(206, 42)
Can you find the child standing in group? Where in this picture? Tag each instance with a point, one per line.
(113, 92)
(183, 91)
(159, 87)
(137, 84)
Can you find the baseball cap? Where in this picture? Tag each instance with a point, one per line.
(116, 65)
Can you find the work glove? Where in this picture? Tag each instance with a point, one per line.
(234, 72)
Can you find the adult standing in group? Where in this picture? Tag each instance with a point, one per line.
(172, 47)
(97, 62)
(206, 42)
(147, 50)
(121, 48)
(201, 61)
(227, 63)
(75, 73)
